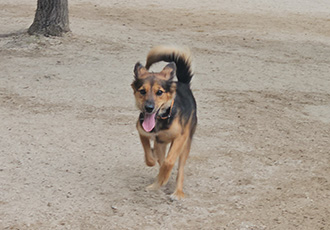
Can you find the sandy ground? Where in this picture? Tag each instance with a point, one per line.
(70, 156)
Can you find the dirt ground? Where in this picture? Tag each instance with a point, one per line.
(70, 157)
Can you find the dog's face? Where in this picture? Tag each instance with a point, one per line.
(153, 91)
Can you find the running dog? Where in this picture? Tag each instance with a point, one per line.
(167, 112)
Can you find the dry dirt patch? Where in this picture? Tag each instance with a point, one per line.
(70, 157)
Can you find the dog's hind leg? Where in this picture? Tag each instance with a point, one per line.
(148, 152)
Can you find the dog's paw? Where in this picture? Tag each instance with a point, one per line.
(177, 195)
(153, 187)
(150, 162)
(150, 159)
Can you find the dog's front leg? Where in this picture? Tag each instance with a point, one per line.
(160, 151)
(167, 166)
(148, 152)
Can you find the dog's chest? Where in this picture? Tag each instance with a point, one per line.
(161, 133)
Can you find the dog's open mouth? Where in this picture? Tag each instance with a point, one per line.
(149, 122)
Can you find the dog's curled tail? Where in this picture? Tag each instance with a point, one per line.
(180, 56)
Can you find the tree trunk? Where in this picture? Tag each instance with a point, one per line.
(51, 18)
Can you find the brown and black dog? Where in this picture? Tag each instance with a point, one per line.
(168, 112)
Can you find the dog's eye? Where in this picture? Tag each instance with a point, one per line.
(159, 93)
(143, 91)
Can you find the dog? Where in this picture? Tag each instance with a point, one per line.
(167, 112)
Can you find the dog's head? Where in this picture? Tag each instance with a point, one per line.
(153, 92)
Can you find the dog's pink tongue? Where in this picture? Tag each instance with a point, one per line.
(149, 121)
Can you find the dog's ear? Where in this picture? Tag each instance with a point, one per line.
(139, 69)
(170, 71)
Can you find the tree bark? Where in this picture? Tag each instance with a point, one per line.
(51, 18)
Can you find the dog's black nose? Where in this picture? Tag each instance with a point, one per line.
(149, 108)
